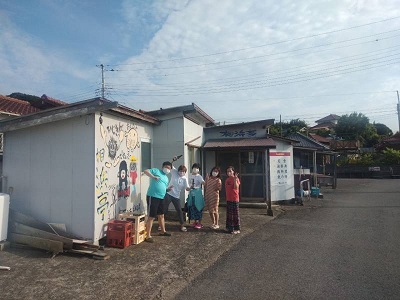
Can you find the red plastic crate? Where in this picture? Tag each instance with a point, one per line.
(118, 239)
(118, 225)
(119, 234)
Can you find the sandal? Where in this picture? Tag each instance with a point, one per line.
(165, 234)
(149, 240)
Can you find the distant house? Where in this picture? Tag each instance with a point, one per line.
(326, 123)
(390, 142)
(320, 139)
(12, 108)
(312, 160)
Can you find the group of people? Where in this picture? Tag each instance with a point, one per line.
(163, 191)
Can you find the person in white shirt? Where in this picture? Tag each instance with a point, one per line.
(177, 183)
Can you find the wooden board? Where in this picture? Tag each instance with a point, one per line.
(21, 218)
(45, 244)
(95, 254)
(30, 231)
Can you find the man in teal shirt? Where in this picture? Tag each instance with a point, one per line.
(155, 197)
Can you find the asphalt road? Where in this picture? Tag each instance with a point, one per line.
(346, 246)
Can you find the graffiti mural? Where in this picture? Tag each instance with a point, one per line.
(116, 168)
(123, 187)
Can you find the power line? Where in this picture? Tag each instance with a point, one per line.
(259, 75)
(264, 45)
(265, 83)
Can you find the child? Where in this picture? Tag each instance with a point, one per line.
(177, 184)
(211, 190)
(195, 199)
(232, 201)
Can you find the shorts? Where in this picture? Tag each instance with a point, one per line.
(155, 206)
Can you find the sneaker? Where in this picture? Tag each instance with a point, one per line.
(236, 231)
(198, 226)
(159, 228)
(183, 228)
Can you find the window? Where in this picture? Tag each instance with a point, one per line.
(146, 155)
(1, 142)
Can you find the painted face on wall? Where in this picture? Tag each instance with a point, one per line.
(112, 148)
(131, 139)
(123, 174)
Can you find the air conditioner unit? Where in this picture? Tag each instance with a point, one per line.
(4, 210)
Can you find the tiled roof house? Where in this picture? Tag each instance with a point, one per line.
(12, 107)
(326, 123)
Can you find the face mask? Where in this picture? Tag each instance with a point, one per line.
(195, 170)
(166, 170)
(182, 174)
(215, 174)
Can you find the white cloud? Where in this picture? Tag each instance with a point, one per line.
(238, 60)
(205, 27)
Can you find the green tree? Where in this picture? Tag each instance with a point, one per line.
(295, 125)
(391, 156)
(356, 126)
(351, 127)
(382, 130)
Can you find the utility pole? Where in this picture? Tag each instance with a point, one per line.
(398, 108)
(102, 80)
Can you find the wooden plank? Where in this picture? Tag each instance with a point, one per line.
(53, 246)
(85, 247)
(94, 254)
(21, 218)
(30, 231)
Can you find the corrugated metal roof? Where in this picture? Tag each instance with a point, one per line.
(240, 143)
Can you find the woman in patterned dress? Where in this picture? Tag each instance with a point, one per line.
(212, 187)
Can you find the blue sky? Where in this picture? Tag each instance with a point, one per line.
(238, 60)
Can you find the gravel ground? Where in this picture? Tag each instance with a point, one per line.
(145, 271)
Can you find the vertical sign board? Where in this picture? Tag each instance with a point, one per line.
(282, 181)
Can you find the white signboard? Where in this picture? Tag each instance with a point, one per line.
(282, 181)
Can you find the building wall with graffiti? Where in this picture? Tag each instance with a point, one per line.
(118, 185)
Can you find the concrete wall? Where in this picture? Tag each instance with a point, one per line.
(50, 171)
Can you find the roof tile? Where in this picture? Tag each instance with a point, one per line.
(16, 106)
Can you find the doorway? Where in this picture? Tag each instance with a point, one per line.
(251, 168)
